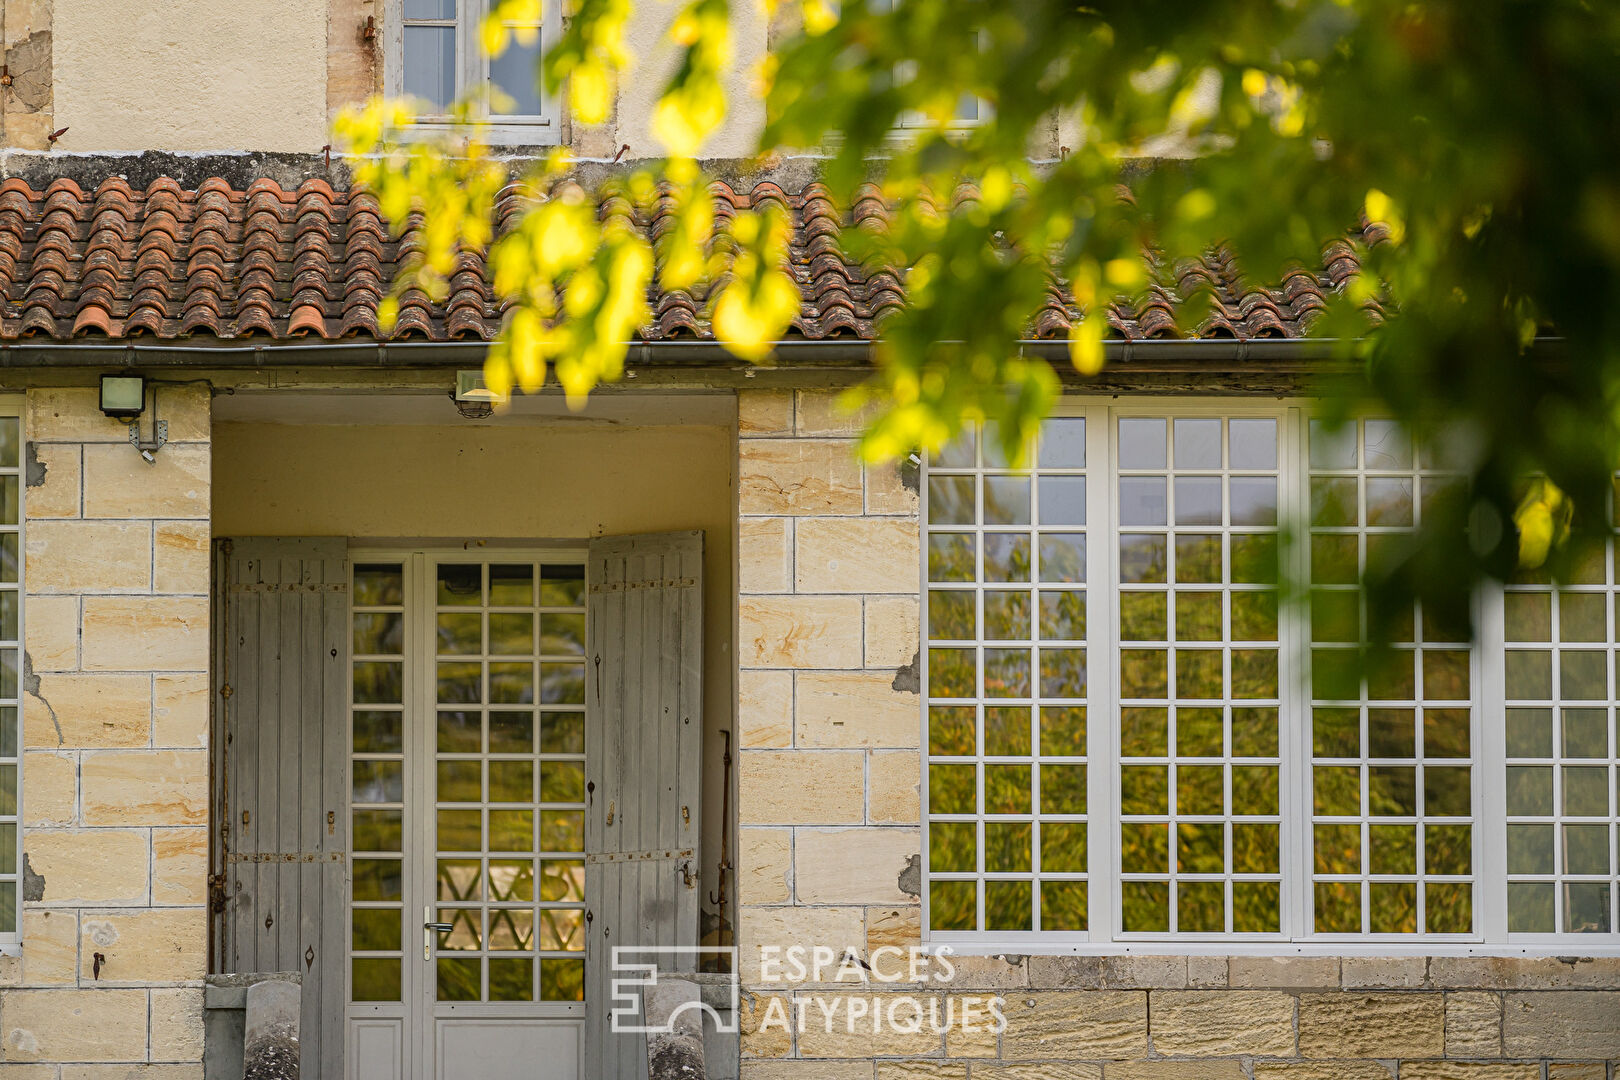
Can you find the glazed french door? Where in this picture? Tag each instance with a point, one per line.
(467, 922)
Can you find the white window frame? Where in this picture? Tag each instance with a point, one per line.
(1488, 751)
(472, 72)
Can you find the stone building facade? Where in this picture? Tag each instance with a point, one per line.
(168, 210)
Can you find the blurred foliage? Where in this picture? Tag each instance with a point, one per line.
(1483, 136)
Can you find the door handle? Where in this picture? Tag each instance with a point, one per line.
(429, 928)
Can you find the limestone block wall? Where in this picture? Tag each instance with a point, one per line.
(115, 766)
(829, 728)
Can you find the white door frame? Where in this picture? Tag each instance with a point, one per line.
(418, 1013)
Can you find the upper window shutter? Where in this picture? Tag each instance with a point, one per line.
(644, 736)
(281, 746)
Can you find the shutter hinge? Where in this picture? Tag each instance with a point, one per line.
(226, 691)
(216, 893)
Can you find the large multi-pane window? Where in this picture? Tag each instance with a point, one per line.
(1153, 714)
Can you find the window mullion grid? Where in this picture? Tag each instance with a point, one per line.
(1102, 652)
(1294, 745)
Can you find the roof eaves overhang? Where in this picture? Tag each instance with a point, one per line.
(1171, 354)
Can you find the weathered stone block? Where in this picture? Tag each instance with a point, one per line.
(57, 495)
(1384, 972)
(1468, 1070)
(798, 477)
(180, 711)
(1076, 1024)
(180, 557)
(801, 787)
(971, 1032)
(50, 951)
(895, 927)
(51, 633)
(1363, 1025)
(51, 780)
(1221, 1023)
(1047, 1070)
(1321, 1070)
(822, 413)
(855, 708)
(74, 1025)
(765, 866)
(72, 414)
(90, 711)
(836, 1027)
(180, 865)
(1206, 972)
(799, 632)
(156, 633)
(893, 778)
(132, 1072)
(837, 928)
(144, 787)
(765, 555)
(922, 1070)
(1066, 972)
(1175, 1070)
(806, 1070)
(89, 556)
(764, 709)
(855, 866)
(177, 1024)
(1284, 972)
(1577, 1070)
(764, 412)
(1145, 972)
(1525, 972)
(856, 555)
(154, 946)
(892, 631)
(998, 972)
(89, 866)
(760, 1024)
(1562, 1023)
(1473, 1024)
(119, 484)
(891, 488)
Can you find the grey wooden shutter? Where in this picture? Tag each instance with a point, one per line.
(643, 743)
(282, 752)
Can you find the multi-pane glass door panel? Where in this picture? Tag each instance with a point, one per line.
(468, 775)
(508, 781)
(378, 782)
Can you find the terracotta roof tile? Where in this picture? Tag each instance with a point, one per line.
(315, 263)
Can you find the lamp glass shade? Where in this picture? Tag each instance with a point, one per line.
(123, 395)
(470, 386)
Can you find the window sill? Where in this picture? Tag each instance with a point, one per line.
(1607, 945)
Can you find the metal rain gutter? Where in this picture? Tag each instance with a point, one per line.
(842, 353)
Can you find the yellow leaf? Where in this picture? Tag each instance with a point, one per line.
(1196, 205)
(1126, 273)
(1086, 344)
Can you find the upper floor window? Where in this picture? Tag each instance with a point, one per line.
(435, 58)
(1138, 731)
(971, 110)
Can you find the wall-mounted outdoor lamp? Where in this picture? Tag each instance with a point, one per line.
(123, 397)
(474, 399)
